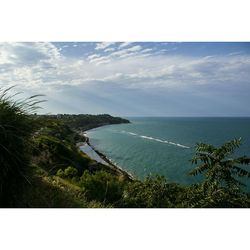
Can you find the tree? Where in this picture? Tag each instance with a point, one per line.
(219, 166)
(222, 172)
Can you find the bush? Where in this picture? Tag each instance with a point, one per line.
(153, 192)
(102, 186)
(69, 172)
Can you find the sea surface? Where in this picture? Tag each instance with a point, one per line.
(165, 145)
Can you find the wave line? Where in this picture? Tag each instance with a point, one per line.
(155, 139)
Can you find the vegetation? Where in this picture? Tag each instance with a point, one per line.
(220, 170)
(85, 122)
(16, 128)
(221, 187)
(154, 192)
(41, 166)
(103, 187)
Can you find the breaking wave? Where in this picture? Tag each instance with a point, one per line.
(156, 139)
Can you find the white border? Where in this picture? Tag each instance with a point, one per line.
(124, 229)
(154, 20)
(130, 20)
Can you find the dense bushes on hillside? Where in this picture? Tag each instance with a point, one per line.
(53, 154)
(103, 187)
(85, 122)
(152, 192)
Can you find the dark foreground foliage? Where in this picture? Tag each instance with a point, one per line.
(41, 166)
(16, 128)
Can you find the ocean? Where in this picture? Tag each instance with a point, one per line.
(165, 145)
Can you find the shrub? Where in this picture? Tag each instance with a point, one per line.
(102, 186)
(153, 192)
(69, 172)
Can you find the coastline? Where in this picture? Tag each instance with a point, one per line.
(105, 158)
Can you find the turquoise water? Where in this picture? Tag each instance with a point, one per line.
(165, 145)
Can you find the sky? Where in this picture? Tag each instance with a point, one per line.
(131, 78)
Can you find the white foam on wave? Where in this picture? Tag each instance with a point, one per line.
(156, 139)
(132, 133)
(146, 137)
(126, 132)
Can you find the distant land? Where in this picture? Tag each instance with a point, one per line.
(87, 121)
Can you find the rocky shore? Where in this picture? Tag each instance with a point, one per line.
(113, 166)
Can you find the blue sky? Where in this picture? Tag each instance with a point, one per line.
(131, 78)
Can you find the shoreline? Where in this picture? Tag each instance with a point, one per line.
(105, 158)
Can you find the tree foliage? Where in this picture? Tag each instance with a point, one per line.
(218, 166)
(222, 186)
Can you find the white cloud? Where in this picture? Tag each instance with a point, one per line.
(135, 48)
(109, 49)
(127, 52)
(41, 65)
(208, 57)
(122, 45)
(103, 61)
(28, 63)
(99, 59)
(104, 45)
(146, 50)
(119, 52)
(28, 53)
(167, 50)
(93, 56)
(129, 55)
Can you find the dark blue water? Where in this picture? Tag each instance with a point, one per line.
(165, 145)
